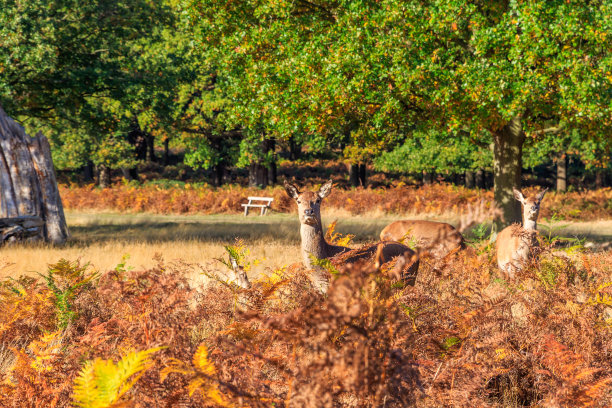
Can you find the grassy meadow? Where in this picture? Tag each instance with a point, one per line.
(104, 238)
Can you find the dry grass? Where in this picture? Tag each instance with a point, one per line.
(107, 255)
(104, 238)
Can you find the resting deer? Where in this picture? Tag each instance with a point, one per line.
(315, 245)
(438, 238)
(515, 242)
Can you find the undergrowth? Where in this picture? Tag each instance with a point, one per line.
(401, 199)
(462, 336)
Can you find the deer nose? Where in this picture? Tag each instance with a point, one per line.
(309, 212)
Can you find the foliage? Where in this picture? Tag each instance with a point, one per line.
(456, 338)
(65, 279)
(101, 383)
(335, 238)
(237, 256)
(202, 376)
(435, 152)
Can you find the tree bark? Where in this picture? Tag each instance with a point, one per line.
(270, 146)
(272, 173)
(479, 178)
(137, 138)
(362, 174)
(88, 172)
(469, 179)
(354, 174)
(150, 147)
(562, 172)
(507, 166)
(295, 149)
(28, 186)
(21, 228)
(427, 177)
(219, 171)
(600, 178)
(166, 151)
(104, 176)
(258, 175)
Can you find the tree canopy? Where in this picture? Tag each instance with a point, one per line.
(373, 69)
(452, 85)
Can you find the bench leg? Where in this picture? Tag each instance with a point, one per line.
(246, 211)
(263, 209)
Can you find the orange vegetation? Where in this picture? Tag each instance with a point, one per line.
(432, 199)
(462, 336)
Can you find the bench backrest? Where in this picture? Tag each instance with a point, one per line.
(268, 199)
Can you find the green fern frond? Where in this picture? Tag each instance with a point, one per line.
(102, 383)
(325, 264)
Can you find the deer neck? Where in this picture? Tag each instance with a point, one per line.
(529, 225)
(313, 242)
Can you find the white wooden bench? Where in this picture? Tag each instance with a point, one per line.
(264, 204)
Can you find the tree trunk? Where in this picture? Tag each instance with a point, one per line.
(272, 173)
(270, 146)
(219, 171)
(150, 147)
(479, 178)
(362, 174)
(88, 172)
(354, 175)
(125, 172)
(104, 176)
(137, 138)
(166, 151)
(469, 179)
(562, 172)
(427, 177)
(258, 175)
(27, 180)
(507, 165)
(600, 178)
(295, 149)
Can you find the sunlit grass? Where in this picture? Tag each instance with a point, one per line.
(104, 238)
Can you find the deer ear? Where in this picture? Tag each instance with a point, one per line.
(518, 195)
(292, 191)
(540, 195)
(325, 189)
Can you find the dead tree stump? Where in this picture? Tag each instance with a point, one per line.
(28, 188)
(20, 228)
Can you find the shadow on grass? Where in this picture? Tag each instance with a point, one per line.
(95, 228)
(140, 229)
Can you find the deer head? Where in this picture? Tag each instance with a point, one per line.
(531, 207)
(309, 203)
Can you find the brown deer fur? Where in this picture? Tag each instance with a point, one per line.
(438, 238)
(515, 242)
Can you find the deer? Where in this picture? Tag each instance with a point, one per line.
(315, 245)
(437, 238)
(516, 242)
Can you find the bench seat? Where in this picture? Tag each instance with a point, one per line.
(264, 207)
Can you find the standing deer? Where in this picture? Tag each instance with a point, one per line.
(438, 238)
(515, 242)
(314, 243)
